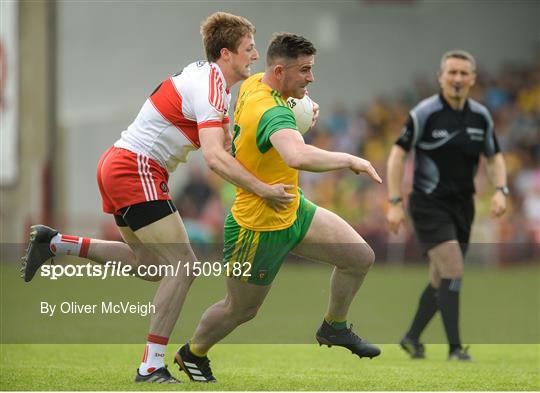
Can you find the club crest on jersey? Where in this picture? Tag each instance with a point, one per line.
(164, 187)
(261, 274)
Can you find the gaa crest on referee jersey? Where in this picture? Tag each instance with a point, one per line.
(164, 187)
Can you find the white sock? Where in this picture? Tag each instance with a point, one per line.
(70, 245)
(154, 356)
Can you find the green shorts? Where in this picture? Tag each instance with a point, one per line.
(256, 256)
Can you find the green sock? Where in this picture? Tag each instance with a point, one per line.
(336, 323)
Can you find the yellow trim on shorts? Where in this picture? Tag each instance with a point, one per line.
(234, 256)
(250, 255)
(246, 246)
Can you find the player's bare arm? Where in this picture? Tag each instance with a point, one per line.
(297, 154)
(394, 174)
(496, 170)
(213, 140)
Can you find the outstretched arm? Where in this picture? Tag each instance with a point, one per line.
(296, 154)
(212, 141)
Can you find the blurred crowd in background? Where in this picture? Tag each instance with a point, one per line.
(512, 96)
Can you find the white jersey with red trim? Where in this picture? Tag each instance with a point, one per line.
(167, 126)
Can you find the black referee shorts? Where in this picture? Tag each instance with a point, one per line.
(437, 221)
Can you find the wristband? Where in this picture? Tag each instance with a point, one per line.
(395, 200)
(504, 190)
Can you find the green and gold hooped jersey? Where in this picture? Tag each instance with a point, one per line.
(261, 111)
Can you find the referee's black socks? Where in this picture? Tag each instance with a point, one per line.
(449, 306)
(427, 307)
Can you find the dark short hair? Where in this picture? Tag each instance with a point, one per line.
(223, 30)
(288, 46)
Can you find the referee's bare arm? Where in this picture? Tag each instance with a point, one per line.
(394, 176)
(496, 171)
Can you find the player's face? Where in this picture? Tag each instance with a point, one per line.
(245, 55)
(297, 75)
(456, 78)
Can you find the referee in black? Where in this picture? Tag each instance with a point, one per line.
(448, 133)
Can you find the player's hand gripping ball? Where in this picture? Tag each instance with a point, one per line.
(303, 112)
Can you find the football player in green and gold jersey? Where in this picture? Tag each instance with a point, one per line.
(268, 144)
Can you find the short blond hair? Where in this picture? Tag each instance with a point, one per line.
(458, 54)
(223, 30)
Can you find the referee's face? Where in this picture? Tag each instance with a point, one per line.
(456, 79)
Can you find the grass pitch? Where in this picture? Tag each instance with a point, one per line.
(497, 306)
(276, 351)
(273, 367)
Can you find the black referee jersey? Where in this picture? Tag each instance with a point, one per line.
(447, 144)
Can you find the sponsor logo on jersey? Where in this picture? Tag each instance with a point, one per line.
(477, 131)
(439, 134)
(476, 134)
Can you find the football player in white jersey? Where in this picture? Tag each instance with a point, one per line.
(185, 112)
